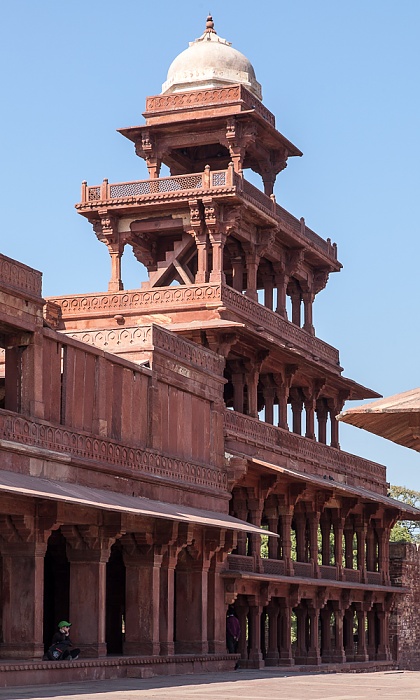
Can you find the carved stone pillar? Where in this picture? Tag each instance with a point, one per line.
(269, 393)
(314, 656)
(202, 242)
(255, 659)
(88, 550)
(308, 298)
(370, 548)
(217, 546)
(325, 614)
(338, 654)
(322, 415)
(272, 656)
(116, 252)
(252, 262)
(268, 291)
(166, 603)
(325, 524)
(281, 281)
(286, 517)
(273, 524)
(348, 545)
(338, 525)
(237, 273)
(191, 578)
(313, 519)
(371, 630)
(238, 382)
(300, 523)
(217, 240)
(309, 403)
(297, 406)
(301, 631)
(348, 634)
(284, 634)
(22, 597)
(361, 654)
(361, 550)
(296, 297)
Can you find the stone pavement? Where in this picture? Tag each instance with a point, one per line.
(243, 684)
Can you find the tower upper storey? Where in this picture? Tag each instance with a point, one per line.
(209, 62)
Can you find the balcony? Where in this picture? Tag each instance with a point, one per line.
(311, 457)
(305, 570)
(183, 187)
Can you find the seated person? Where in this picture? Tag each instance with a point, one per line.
(60, 648)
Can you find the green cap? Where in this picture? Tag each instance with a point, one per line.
(63, 623)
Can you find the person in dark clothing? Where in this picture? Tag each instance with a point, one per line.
(233, 631)
(60, 647)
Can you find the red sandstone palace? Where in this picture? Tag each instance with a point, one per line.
(149, 437)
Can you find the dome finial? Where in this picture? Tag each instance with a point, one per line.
(210, 25)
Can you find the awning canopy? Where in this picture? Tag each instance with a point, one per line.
(38, 487)
(395, 418)
(409, 512)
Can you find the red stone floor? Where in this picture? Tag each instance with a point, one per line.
(245, 685)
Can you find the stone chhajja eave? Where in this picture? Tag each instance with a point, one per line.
(312, 582)
(404, 510)
(78, 495)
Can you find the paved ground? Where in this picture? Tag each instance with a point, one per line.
(245, 685)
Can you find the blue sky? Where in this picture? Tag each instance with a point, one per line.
(342, 80)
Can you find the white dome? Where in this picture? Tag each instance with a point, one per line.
(209, 62)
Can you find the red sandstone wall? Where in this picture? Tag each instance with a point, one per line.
(405, 618)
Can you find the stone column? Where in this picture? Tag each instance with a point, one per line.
(314, 656)
(361, 613)
(202, 242)
(27, 377)
(348, 545)
(22, 589)
(361, 554)
(272, 657)
(297, 405)
(339, 655)
(217, 240)
(313, 519)
(242, 609)
(296, 298)
(237, 273)
(238, 382)
(325, 538)
(166, 602)
(218, 544)
(322, 415)
(269, 393)
(116, 251)
(284, 634)
(308, 298)
(348, 634)
(191, 578)
(252, 262)
(255, 659)
(371, 643)
(281, 281)
(300, 523)
(268, 291)
(251, 378)
(286, 517)
(309, 403)
(282, 392)
(326, 634)
(88, 550)
(142, 597)
(301, 649)
(338, 525)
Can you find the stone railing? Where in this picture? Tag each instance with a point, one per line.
(277, 567)
(194, 297)
(207, 98)
(271, 321)
(207, 180)
(112, 455)
(19, 277)
(320, 460)
(284, 217)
